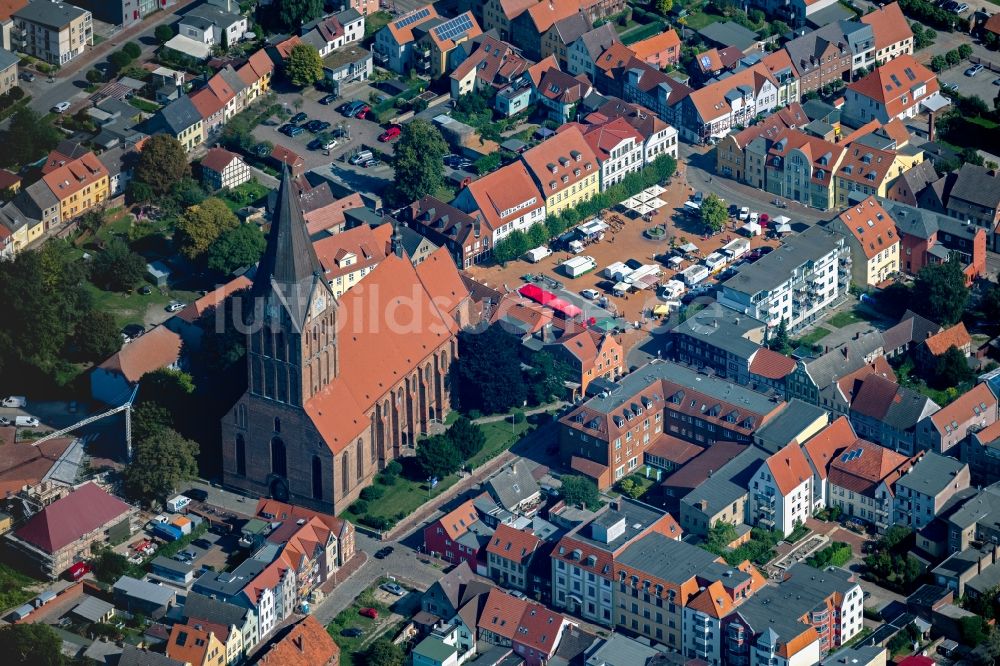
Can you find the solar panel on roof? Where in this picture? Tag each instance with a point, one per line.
(909, 74)
(453, 28)
(705, 62)
(415, 16)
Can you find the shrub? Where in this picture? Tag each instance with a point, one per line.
(394, 468)
(372, 493)
(376, 522)
(359, 508)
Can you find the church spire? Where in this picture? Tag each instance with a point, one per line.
(289, 270)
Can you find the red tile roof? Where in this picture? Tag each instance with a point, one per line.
(190, 644)
(863, 473)
(8, 179)
(561, 161)
(367, 247)
(504, 190)
(888, 25)
(895, 81)
(217, 159)
(868, 222)
(307, 644)
(331, 216)
(967, 407)
(770, 364)
(789, 468)
(655, 45)
(213, 299)
(956, 336)
(286, 156)
(64, 521)
(673, 449)
(513, 544)
(823, 447)
(160, 348)
(74, 176)
(457, 521)
(713, 601)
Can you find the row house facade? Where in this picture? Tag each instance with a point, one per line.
(712, 111)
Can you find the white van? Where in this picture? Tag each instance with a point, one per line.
(362, 156)
(25, 422)
(18, 401)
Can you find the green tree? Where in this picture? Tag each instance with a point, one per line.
(467, 437)
(973, 631)
(546, 377)
(32, 644)
(163, 33)
(939, 63)
(939, 292)
(417, 160)
(780, 342)
(28, 138)
(294, 13)
(148, 419)
(117, 267)
(511, 246)
(489, 371)
(538, 235)
(952, 57)
(169, 388)
(663, 7)
(952, 369)
(139, 192)
(303, 66)
(555, 224)
(162, 163)
(488, 163)
(630, 488)
(236, 248)
(964, 51)
(714, 213)
(437, 457)
(120, 60)
(201, 225)
(384, 652)
(109, 566)
(96, 336)
(580, 491)
(91, 221)
(132, 49)
(159, 465)
(94, 76)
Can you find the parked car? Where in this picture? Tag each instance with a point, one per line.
(383, 553)
(329, 99)
(25, 422)
(328, 144)
(312, 125)
(972, 71)
(589, 294)
(14, 401)
(295, 130)
(962, 8)
(393, 588)
(744, 213)
(146, 290)
(298, 118)
(197, 494)
(60, 107)
(352, 632)
(778, 203)
(362, 113)
(27, 76)
(953, 87)
(368, 164)
(754, 217)
(369, 612)
(350, 108)
(360, 157)
(174, 306)
(4, 421)
(133, 331)
(391, 133)
(262, 150)
(201, 543)
(996, 82)
(698, 197)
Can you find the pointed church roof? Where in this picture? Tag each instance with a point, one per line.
(289, 268)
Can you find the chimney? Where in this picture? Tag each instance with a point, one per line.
(396, 242)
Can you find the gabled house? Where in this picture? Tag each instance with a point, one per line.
(467, 237)
(256, 74)
(197, 644)
(223, 169)
(781, 490)
(507, 198)
(213, 26)
(557, 39)
(901, 88)
(803, 168)
(591, 355)
(459, 536)
(436, 49)
(306, 641)
(861, 481)
(509, 556)
(886, 413)
(617, 145)
(181, 120)
(491, 63)
(975, 197)
(932, 348)
(893, 36)
(660, 51)
(395, 44)
(923, 492)
(333, 32)
(733, 156)
(561, 94)
(237, 625)
(927, 237)
(820, 450)
(113, 381)
(733, 101)
(585, 50)
(871, 235)
(515, 490)
(564, 169)
(531, 630)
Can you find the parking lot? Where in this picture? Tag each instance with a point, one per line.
(984, 84)
(356, 132)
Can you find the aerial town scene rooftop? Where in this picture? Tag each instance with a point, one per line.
(499, 333)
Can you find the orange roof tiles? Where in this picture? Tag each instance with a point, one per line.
(968, 406)
(605, 137)
(512, 306)
(613, 57)
(502, 613)
(870, 225)
(828, 443)
(713, 601)
(514, 8)
(894, 82)
(561, 161)
(863, 472)
(190, 644)
(457, 521)
(789, 117)
(271, 509)
(789, 468)
(503, 190)
(513, 544)
(404, 33)
(217, 159)
(655, 45)
(771, 364)
(307, 644)
(8, 7)
(284, 48)
(157, 349)
(438, 272)
(446, 45)
(888, 25)
(823, 155)
(331, 216)
(544, 14)
(956, 336)
(75, 176)
(258, 66)
(362, 242)
(286, 155)
(710, 101)
(213, 299)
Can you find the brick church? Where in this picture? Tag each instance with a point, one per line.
(338, 387)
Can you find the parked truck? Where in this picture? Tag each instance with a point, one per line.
(537, 254)
(167, 532)
(577, 266)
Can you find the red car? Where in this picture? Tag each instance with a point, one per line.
(391, 133)
(362, 112)
(369, 612)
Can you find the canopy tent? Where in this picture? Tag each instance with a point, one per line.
(656, 190)
(605, 325)
(675, 262)
(564, 308)
(644, 209)
(644, 196)
(784, 228)
(781, 219)
(630, 203)
(646, 281)
(621, 288)
(592, 228)
(661, 310)
(689, 248)
(536, 293)
(751, 228)
(657, 202)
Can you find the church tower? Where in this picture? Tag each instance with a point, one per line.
(292, 340)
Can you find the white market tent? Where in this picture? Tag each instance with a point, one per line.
(657, 203)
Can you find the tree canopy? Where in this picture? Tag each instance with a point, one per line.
(162, 163)
(489, 371)
(202, 224)
(163, 33)
(939, 292)
(31, 644)
(952, 369)
(294, 13)
(117, 267)
(96, 336)
(236, 248)
(467, 437)
(714, 213)
(384, 652)
(418, 161)
(303, 66)
(160, 463)
(28, 139)
(438, 457)
(580, 491)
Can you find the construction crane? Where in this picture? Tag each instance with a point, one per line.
(126, 407)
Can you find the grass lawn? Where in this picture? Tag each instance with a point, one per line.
(403, 497)
(375, 22)
(814, 336)
(144, 105)
(698, 20)
(350, 647)
(842, 319)
(500, 436)
(131, 308)
(13, 587)
(246, 194)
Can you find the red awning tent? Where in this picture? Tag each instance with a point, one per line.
(550, 300)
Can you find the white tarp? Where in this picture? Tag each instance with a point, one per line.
(657, 203)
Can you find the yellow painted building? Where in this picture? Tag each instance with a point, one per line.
(873, 239)
(78, 185)
(565, 169)
(869, 171)
(442, 39)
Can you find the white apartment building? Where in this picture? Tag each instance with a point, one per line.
(781, 491)
(808, 273)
